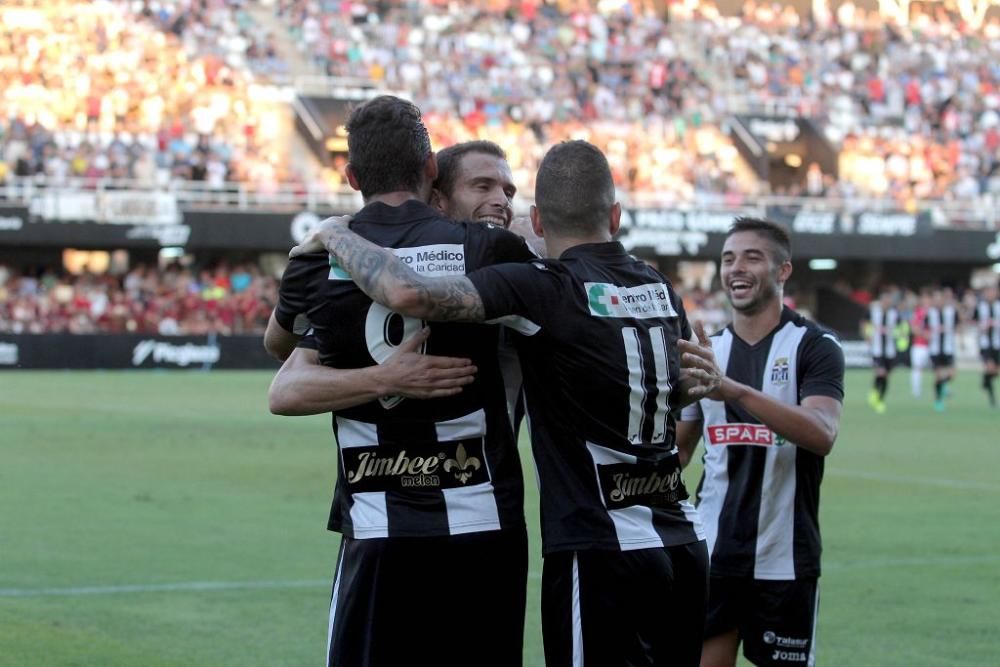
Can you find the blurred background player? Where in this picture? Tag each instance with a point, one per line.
(767, 431)
(940, 323)
(920, 356)
(987, 317)
(884, 318)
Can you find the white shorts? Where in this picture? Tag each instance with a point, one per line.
(920, 356)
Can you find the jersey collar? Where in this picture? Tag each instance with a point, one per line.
(608, 249)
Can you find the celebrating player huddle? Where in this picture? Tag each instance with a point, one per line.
(429, 487)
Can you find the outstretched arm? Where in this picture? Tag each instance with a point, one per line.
(387, 280)
(278, 342)
(812, 425)
(303, 386)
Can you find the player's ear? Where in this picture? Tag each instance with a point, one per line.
(438, 200)
(615, 219)
(536, 221)
(785, 271)
(431, 167)
(352, 178)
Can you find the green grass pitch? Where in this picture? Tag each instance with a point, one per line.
(165, 519)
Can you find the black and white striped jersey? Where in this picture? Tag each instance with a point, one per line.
(759, 494)
(600, 360)
(941, 324)
(414, 468)
(987, 316)
(883, 322)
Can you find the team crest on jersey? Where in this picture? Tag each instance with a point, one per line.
(641, 302)
(779, 372)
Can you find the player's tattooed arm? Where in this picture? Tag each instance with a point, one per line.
(387, 280)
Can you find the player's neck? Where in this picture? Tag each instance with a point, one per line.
(753, 327)
(556, 245)
(397, 198)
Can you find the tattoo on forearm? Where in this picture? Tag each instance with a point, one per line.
(380, 275)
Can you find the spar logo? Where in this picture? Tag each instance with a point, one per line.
(742, 434)
(641, 302)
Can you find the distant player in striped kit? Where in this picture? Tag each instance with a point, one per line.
(883, 319)
(987, 316)
(767, 431)
(624, 582)
(941, 324)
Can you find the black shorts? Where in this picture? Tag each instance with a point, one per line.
(776, 620)
(886, 363)
(942, 360)
(989, 355)
(453, 601)
(615, 608)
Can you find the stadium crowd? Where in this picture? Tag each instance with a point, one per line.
(162, 91)
(176, 301)
(915, 108)
(92, 91)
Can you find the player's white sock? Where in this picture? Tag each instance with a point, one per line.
(915, 382)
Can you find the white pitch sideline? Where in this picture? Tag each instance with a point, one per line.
(178, 587)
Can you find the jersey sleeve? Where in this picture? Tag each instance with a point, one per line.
(294, 292)
(681, 315)
(488, 245)
(527, 290)
(822, 365)
(692, 413)
(308, 341)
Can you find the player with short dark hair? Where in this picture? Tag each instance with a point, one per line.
(767, 430)
(625, 564)
(987, 316)
(475, 183)
(429, 493)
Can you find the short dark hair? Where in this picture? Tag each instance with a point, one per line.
(775, 233)
(574, 191)
(450, 158)
(387, 145)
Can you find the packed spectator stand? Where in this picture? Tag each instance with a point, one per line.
(186, 96)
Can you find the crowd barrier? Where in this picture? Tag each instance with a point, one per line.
(129, 351)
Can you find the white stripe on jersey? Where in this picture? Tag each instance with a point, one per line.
(577, 620)
(333, 607)
(521, 325)
(774, 558)
(812, 636)
(988, 317)
(369, 516)
(716, 484)
(662, 384)
(883, 343)
(352, 433)
(471, 509)
(636, 384)
(633, 525)
(472, 425)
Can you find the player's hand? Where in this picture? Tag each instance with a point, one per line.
(414, 375)
(521, 226)
(316, 241)
(700, 374)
